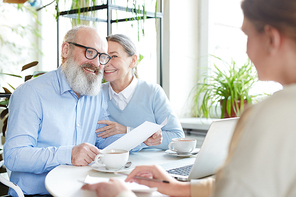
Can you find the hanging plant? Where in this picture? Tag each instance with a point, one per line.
(78, 4)
(140, 14)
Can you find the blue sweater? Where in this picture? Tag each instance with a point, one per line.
(148, 103)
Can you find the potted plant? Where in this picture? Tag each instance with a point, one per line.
(228, 88)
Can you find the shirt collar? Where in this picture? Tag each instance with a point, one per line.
(127, 91)
(64, 85)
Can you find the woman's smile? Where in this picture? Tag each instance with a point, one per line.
(110, 71)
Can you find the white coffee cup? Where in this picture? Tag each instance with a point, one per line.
(112, 159)
(182, 145)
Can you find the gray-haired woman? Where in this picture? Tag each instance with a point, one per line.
(132, 101)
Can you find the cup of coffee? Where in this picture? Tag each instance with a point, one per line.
(112, 159)
(182, 145)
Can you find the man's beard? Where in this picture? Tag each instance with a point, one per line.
(80, 82)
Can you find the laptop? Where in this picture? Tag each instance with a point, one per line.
(211, 156)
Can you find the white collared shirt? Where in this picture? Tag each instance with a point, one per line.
(123, 98)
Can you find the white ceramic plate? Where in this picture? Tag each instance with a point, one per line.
(194, 152)
(103, 169)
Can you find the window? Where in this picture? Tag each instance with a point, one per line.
(225, 38)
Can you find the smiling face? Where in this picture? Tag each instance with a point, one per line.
(83, 75)
(119, 69)
(90, 38)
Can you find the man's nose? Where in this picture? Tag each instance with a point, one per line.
(101, 67)
(97, 63)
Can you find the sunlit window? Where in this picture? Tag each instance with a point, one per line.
(227, 41)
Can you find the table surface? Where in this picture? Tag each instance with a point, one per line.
(65, 180)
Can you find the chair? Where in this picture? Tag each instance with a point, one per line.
(6, 182)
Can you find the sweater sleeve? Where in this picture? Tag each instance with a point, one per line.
(202, 188)
(162, 109)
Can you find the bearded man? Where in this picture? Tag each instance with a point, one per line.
(53, 118)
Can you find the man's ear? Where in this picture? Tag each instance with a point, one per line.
(65, 50)
(273, 37)
(134, 61)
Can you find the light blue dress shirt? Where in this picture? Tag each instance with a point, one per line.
(46, 119)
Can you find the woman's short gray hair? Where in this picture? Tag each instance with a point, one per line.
(125, 42)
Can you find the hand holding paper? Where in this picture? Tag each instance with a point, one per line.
(155, 139)
(136, 136)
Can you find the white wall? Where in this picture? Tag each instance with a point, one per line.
(181, 52)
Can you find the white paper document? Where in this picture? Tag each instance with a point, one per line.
(136, 136)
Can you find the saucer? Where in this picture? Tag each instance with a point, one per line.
(194, 152)
(103, 168)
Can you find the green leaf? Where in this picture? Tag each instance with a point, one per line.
(11, 87)
(3, 113)
(12, 75)
(6, 90)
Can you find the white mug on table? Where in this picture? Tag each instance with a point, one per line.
(112, 159)
(182, 145)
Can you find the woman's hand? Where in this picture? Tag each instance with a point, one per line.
(112, 128)
(107, 189)
(173, 188)
(154, 139)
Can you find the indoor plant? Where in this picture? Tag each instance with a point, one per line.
(226, 87)
(86, 11)
(4, 103)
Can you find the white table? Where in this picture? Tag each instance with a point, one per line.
(64, 180)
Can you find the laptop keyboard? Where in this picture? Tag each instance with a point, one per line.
(184, 170)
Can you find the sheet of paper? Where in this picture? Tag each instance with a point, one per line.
(136, 136)
(135, 187)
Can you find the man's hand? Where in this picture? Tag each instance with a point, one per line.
(154, 139)
(83, 154)
(112, 128)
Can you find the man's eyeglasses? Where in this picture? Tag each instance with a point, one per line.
(91, 53)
